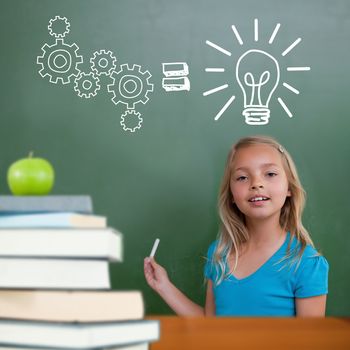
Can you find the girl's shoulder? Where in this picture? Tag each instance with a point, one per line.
(212, 248)
(310, 256)
(311, 275)
(308, 252)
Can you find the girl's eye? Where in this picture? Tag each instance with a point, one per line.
(241, 178)
(271, 174)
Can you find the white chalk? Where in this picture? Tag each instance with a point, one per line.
(155, 246)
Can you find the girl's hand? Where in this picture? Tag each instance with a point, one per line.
(156, 275)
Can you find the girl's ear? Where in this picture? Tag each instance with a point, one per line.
(289, 193)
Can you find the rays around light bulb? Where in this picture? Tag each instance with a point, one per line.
(256, 30)
(219, 48)
(223, 109)
(291, 88)
(255, 111)
(238, 37)
(212, 91)
(291, 46)
(215, 70)
(297, 69)
(274, 33)
(286, 109)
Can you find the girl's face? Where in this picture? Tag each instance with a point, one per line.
(259, 184)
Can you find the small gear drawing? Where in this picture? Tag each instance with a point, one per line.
(61, 27)
(103, 62)
(59, 61)
(130, 85)
(131, 120)
(86, 84)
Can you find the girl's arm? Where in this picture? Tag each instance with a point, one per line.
(210, 301)
(157, 278)
(311, 307)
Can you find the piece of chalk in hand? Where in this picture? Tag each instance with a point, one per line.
(154, 249)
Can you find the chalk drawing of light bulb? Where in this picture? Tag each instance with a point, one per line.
(258, 75)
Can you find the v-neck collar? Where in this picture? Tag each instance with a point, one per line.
(231, 277)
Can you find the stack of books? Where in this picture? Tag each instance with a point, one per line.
(176, 76)
(54, 279)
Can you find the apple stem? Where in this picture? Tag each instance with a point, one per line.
(31, 154)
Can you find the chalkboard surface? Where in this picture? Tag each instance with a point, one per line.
(152, 159)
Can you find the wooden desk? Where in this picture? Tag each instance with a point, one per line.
(182, 333)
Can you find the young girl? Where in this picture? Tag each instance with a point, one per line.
(264, 262)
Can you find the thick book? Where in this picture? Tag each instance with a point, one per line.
(71, 306)
(54, 220)
(77, 335)
(141, 346)
(49, 203)
(54, 274)
(176, 84)
(63, 243)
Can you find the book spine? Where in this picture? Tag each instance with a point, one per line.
(52, 273)
(32, 204)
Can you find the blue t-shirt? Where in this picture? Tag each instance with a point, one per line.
(267, 291)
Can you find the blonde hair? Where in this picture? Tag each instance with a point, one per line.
(234, 233)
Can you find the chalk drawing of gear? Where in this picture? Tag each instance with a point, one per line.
(58, 27)
(59, 61)
(103, 62)
(130, 85)
(131, 120)
(86, 84)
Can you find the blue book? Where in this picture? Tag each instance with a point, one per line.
(52, 220)
(50, 203)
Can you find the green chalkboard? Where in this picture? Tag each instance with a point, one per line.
(160, 178)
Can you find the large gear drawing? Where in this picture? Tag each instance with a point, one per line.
(59, 61)
(131, 120)
(130, 85)
(61, 27)
(86, 84)
(103, 62)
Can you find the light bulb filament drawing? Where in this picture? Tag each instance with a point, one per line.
(250, 81)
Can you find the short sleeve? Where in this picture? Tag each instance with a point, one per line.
(209, 269)
(312, 277)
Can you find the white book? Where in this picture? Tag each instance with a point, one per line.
(55, 220)
(54, 273)
(66, 243)
(176, 84)
(174, 69)
(71, 306)
(142, 346)
(77, 335)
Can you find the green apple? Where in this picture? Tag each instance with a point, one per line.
(30, 176)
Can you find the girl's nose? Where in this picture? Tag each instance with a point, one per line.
(256, 186)
(257, 182)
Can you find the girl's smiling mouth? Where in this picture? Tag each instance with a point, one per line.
(258, 199)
